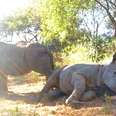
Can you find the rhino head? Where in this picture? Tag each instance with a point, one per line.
(109, 76)
(39, 59)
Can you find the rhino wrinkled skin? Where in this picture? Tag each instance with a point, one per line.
(79, 81)
(22, 58)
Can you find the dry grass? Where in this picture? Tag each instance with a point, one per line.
(23, 102)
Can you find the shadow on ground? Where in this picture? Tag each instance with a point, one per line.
(32, 98)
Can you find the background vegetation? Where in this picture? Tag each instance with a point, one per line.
(74, 30)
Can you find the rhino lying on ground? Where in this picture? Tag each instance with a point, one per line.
(21, 58)
(80, 80)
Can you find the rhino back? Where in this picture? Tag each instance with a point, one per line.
(12, 59)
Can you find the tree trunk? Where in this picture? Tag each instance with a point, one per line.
(115, 31)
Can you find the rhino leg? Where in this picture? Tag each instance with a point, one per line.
(79, 88)
(3, 84)
(88, 95)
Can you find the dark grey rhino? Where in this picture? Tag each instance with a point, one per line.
(22, 58)
(79, 81)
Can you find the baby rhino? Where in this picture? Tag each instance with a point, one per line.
(79, 81)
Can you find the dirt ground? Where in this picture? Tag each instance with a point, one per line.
(22, 101)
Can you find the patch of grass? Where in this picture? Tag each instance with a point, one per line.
(80, 54)
(32, 77)
(107, 106)
(11, 112)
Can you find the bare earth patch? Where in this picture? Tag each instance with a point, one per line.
(22, 101)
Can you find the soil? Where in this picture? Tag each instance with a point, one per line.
(22, 101)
